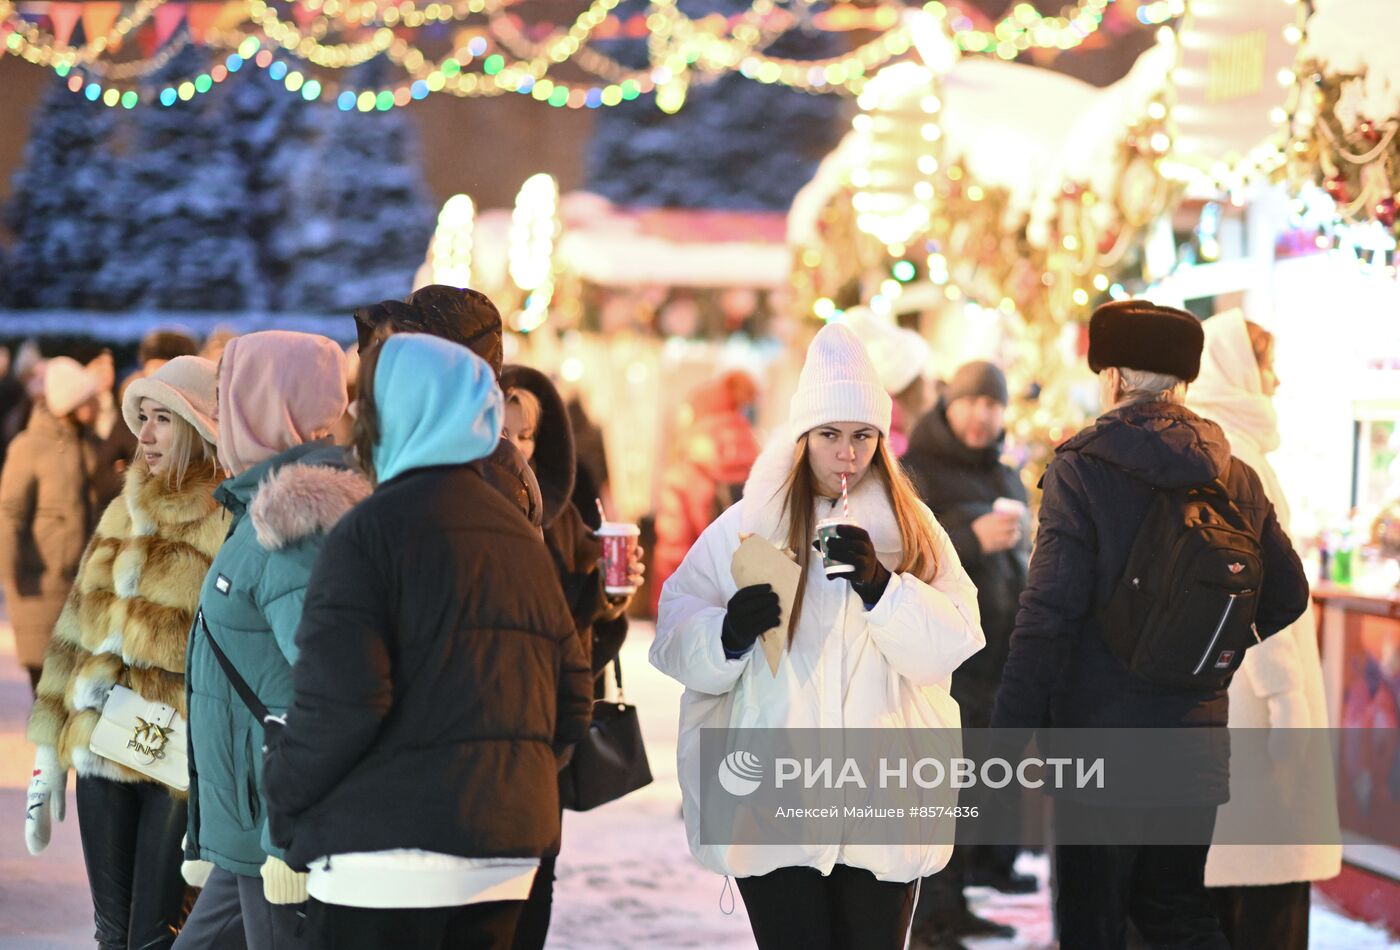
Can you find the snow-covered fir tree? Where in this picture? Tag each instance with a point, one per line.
(267, 128)
(358, 218)
(182, 240)
(58, 211)
(735, 144)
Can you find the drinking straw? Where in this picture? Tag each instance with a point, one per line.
(602, 517)
(845, 499)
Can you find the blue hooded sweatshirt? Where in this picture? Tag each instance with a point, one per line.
(438, 404)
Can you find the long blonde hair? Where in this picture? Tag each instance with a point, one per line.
(916, 539)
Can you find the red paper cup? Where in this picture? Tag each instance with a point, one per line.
(617, 539)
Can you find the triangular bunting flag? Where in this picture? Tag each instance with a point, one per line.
(99, 18)
(167, 21)
(146, 40)
(63, 17)
(199, 17)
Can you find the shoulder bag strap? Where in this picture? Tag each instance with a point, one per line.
(239, 684)
(617, 676)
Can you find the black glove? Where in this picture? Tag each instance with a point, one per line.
(752, 612)
(852, 545)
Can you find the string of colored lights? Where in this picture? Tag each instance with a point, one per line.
(677, 52)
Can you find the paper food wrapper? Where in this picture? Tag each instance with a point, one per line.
(758, 562)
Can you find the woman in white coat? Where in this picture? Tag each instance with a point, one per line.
(872, 648)
(1261, 892)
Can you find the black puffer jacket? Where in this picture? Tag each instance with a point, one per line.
(959, 485)
(601, 626)
(1097, 492)
(439, 681)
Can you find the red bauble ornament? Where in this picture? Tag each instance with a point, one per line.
(1387, 211)
(1336, 186)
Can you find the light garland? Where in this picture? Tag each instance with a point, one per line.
(681, 50)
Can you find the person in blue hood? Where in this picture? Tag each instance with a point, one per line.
(439, 680)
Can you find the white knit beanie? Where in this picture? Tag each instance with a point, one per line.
(67, 385)
(839, 384)
(900, 356)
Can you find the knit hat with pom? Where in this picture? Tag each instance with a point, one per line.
(839, 384)
(67, 385)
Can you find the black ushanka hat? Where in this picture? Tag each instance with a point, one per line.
(1139, 334)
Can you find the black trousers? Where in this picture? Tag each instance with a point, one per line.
(533, 926)
(131, 845)
(488, 926)
(1160, 887)
(1273, 916)
(848, 910)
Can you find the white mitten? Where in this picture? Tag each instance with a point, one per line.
(195, 872)
(47, 799)
(282, 885)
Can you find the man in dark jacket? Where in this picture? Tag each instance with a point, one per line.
(954, 458)
(469, 318)
(1061, 672)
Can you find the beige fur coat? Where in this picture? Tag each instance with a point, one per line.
(128, 616)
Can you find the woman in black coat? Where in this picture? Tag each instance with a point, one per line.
(537, 421)
(440, 680)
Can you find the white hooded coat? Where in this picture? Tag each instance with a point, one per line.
(1279, 684)
(848, 667)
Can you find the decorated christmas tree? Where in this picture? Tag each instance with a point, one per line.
(180, 200)
(58, 211)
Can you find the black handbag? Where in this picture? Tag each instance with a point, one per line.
(610, 761)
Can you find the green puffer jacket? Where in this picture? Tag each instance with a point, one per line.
(251, 601)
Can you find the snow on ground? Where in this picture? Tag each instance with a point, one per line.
(626, 879)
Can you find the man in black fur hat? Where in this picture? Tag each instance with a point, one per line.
(1061, 670)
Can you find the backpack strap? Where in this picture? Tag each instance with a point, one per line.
(236, 680)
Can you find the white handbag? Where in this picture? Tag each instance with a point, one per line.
(146, 737)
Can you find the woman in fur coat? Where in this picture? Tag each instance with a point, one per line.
(873, 648)
(125, 622)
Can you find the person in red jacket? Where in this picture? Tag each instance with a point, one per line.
(716, 450)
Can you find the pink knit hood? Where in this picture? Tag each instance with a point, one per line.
(277, 389)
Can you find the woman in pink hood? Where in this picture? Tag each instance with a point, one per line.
(279, 393)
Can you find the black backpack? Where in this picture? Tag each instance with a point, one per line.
(1183, 612)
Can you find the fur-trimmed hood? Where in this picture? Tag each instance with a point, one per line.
(765, 495)
(302, 499)
(554, 463)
